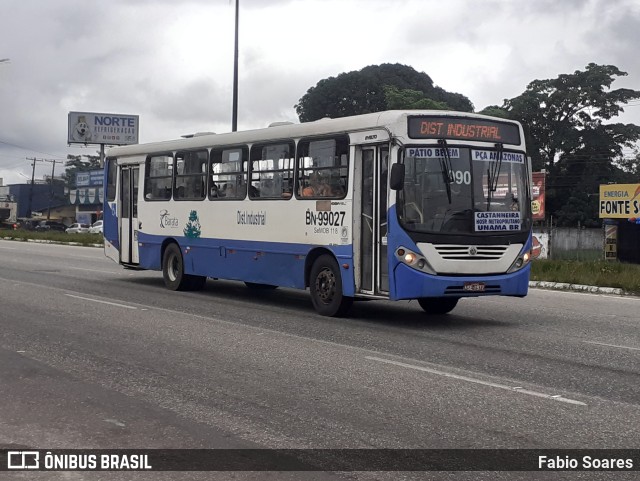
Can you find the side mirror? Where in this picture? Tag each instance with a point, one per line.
(397, 177)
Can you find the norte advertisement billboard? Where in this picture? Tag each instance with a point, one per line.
(619, 201)
(96, 128)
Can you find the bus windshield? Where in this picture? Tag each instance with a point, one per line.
(462, 190)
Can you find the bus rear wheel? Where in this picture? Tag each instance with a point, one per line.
(173, 272)
(438, 305)
(325, 284)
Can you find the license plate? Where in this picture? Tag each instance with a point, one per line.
(473, 286)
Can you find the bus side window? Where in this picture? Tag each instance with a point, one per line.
(158, 177)
(323, 167)
(272, 171)
(190, 178)
(227, 173)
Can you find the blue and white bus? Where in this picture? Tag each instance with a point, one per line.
(426, 205)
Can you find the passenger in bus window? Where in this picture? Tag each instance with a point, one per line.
(319, 186)
(229, 190)
(306, 190)
(215, 192)
(337, 191)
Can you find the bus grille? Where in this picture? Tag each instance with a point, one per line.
(470, 253)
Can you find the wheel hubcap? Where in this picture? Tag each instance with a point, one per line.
(326, 285)
(173, 268)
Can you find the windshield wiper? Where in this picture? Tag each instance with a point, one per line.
(445, 165)
(493, 172)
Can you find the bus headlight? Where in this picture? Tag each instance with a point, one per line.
(521, 261)
(409, 258)
(414, 260)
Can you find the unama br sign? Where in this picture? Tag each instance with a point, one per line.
(96, 128)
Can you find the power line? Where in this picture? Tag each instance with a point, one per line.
(28, 149)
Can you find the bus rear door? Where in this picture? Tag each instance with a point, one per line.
(129, 176)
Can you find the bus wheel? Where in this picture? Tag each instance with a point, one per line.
(259, 287)
(173, 272)
(438, 305)
(325, 284)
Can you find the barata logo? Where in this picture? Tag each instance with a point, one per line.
(23, 460)
(167, 221)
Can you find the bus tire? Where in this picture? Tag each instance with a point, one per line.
(325, 284)
(438, 305)
(173, 272)
(260, 287)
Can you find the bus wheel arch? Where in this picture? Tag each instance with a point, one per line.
(173, 269)
(325, 286)
(310, 259)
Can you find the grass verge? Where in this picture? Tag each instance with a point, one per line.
(594, 273)
(61, 237)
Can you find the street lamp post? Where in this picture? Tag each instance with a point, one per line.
(234, 118)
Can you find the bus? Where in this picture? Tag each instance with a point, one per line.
(399, 205)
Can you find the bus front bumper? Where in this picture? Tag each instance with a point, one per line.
(413, 284)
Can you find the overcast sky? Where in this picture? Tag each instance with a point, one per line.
(171, 61)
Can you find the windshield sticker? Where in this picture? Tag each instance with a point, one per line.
(433, 153)
(497, 221)
(492, 155)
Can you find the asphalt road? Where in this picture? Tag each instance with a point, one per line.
(95, 356)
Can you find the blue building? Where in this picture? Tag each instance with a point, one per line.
(42, 199)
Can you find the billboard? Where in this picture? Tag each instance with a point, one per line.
(90, 178)
(619, 201)
(537, 198)
(96, 128)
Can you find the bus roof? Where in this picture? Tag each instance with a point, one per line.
(282, 130)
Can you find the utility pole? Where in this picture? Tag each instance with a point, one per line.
(33, 177)
(234, 118)
(53, 170)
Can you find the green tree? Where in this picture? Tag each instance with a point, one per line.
(495, 111)
(76, 163)
(368, 90)
(630, 164)
(402, 99)
(568, 126)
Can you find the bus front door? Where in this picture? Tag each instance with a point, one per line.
(373, 264)
(129, 214)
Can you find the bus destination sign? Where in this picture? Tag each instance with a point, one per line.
(463, 129)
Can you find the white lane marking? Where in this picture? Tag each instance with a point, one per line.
(102, 302)
(93, 270)
(612, 345)
(262, 329)
(114, 421)
(517, 389)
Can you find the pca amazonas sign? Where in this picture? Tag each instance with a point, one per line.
(619, 201)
